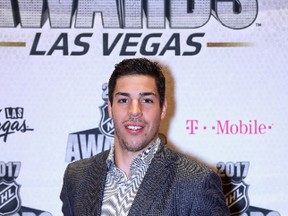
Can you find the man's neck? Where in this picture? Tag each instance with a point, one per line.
(123, 159)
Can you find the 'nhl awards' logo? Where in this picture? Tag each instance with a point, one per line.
(9, 198)
(86, 143)
(106, 125)
(10, 201)
(236, 190)
(234, 187)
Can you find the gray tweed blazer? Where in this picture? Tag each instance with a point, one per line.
(173, 186)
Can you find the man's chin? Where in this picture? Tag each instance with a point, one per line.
(136, 146)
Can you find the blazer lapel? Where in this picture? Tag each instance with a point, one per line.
(152, 183)
(93, 187)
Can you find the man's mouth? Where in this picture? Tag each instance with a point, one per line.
(134, 128)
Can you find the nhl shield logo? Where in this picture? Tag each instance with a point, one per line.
(9, 198)
(236, 197)
(106, 125)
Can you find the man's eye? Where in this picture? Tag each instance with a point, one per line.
(123, 100)
(147, 100)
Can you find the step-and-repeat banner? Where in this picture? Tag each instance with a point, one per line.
(227, 79)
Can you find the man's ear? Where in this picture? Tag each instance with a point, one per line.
(109, 109)
(164, 109)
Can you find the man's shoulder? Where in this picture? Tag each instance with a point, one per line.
(82, 165)
(184, 165)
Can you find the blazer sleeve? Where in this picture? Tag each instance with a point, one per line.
(210, 199)
(66, 205)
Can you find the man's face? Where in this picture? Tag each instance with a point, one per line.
(136, 112)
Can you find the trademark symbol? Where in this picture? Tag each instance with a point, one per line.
(258, 24)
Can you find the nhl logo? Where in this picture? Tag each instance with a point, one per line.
(9, 198)
(106, 125)
(236, 197)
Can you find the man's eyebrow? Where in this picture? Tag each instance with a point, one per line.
(122, 94)
(148, 94)
(125, 94)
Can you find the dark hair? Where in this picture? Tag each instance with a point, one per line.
(138, 66)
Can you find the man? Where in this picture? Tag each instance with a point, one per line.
(140, 175)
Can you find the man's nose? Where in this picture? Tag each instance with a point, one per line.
(135, 108)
